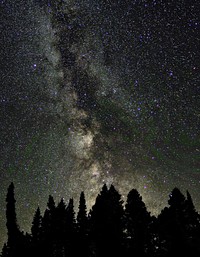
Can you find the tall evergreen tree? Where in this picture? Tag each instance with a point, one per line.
(176, 199)
(174, 222)
(48, 217)
(16, 239)
(58, 229)
(70, 230)
(107, 222)
(70, 216)
(192, 217)
(82, 227)
(191, 226)
(51, 204)
(82, 218)
(36, 226)
(60, 220)
(47, 233)
(12, 226)
(137, 223)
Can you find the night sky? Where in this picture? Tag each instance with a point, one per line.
(94, 92)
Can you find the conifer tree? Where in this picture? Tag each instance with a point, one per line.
(137, 223)
(59, 221)
(172, 223)
(107, 222)
(116, 213)
(51, 204)
(70, 230)
(176, 199)
(82, 227)
(12, 227)
(191, 225)
(16, 239)
(58, 227)
(47, 233)
(70, 216)
(192, 217)
(36, 226)
(98, 220)
(82, 219)
(48, 217)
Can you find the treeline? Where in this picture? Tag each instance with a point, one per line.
(110, 228)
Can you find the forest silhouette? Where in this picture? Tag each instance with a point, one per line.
(110, 228)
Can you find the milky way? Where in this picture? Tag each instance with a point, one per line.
(98, 92)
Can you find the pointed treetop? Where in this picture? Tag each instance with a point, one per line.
(82, 202)
(10, 193)
(36, 224)
(134, 195)
(135, 205)
(82, 212)
(51, 203)
(70, 214)
(11, 216)
(61, 204)
(104, 189)
(70, 204)
(176, 198)
(37, 211)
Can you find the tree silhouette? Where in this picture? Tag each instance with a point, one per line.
(83, 227)
(192, 217)
(36, 226)
(82, 219)
(58, 227)
(137, 223)
(107, 222)
(48, 217)
(12, 227)
(178, 225)
(15, 237)
(70, 228)
(110, 229)
(47, 232)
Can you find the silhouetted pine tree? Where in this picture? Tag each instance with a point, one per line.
(12, 226)
(176, 231)
(172, 222)
(36, 226)
(191, 226)
(58, 230)
(47, 233)
(16, 239)
(192, 218)
(137, 224)
(82, 219)
(82, 227)
(59, 220)
(70, 228)
(34, 240)
(97, 222)
(48, 217)
(117, 219)
(107, 223)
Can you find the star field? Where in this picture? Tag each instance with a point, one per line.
(97, 92)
